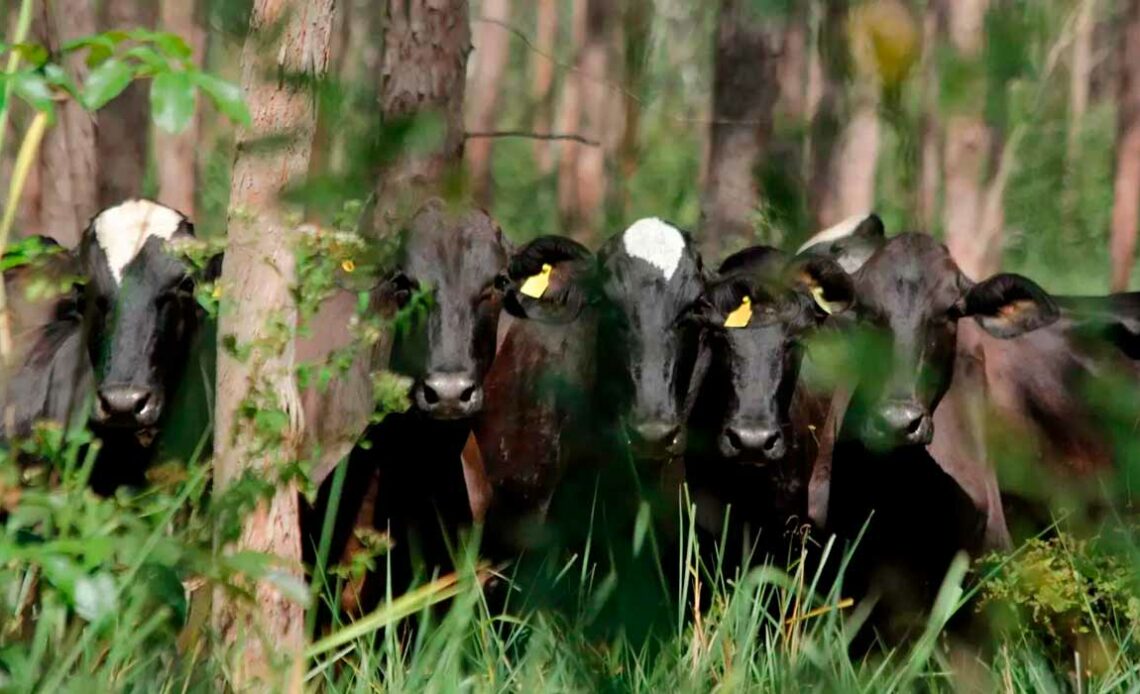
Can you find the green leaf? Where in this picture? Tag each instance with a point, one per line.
(226, 96)
(173, 45)
(56, 77)
(105, 83)
(33, 88)
(172, 101)
(32, 53)
(152, 59)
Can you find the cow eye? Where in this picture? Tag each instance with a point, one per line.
(186, 286)
(402, 288)
(502, 283)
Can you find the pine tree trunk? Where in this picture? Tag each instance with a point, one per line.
(257, 278)
(422, 74)
(636, 24)
(930, 173)
(744, 92)
(492, 48)
(542, 80)
(176, 155)
(972, 227)
(122, 135)
(68, 172)
(1126, 203)
(569, 121)
(596, 96)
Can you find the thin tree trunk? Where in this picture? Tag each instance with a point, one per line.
(636, 22)
(257, 278)
(569, 119)
(1126, 203)
(176, 155)
(744, 93)
(833, 58)
(852, 187)
(124, 123)
(595, 109)
(1080, 72)
(423, 73)
(68, 171)
(930, 174)
(792, 67)
(542, 79)
(972, 227)
(492, 48)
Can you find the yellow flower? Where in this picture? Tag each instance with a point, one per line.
(348, 266)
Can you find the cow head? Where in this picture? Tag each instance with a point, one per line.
(140, 309)
(909, 296)
(757, 311)
(456, 258)
(545, 280)
(651, 280)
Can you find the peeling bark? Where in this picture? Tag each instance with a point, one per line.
(257, 277)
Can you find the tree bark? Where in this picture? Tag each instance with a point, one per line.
(176, 155)
(636, 25)
(68, 172)
(257, 279)
(1126, 202)
(422, 75)
(123, 125)
(492, 48)
(594, 68)
(744, 93)
(930, 161)
(542, 80)
(569, 121)
(971, 220)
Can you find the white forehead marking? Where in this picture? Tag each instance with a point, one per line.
(834, 233)
(656, 242)
(121, 231)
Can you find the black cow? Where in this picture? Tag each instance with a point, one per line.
(755, 423)
(138, 319)
(909, 297)
(454, 259)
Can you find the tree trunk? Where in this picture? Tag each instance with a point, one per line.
(595, 95)
(176, 155)
(792, 68)
(636, 24)
(1126, 203)
(972, 227)
(542, 79)
(930, 164)
(827, 125)
(569, 120)
(851, 190)
(422, 74)
(744, 93)
(124, 123)
(492, 48)
(68, 172)
(257, 279)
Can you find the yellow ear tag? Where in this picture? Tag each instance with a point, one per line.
(817, 294)
(741, 316)
(535, 285)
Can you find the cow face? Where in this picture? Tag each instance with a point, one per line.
(456, 258)
(757, 311)
(911, 294)
(140, 309)
(651, 281)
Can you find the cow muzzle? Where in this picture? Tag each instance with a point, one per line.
(449, 396)
(758, 444)
(127, 405)
(657, 439)
(903, 422)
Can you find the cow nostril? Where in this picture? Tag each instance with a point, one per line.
(734, 440)
(430, 396)
(141, 403)
(467, 394)
(772, 441)
(914, 426)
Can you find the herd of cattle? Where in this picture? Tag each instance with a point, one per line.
(543, 373)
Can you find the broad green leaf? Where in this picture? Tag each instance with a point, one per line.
(56, 77)
(226, 96)
(31, 86)
(172, 101)
(152, 59)
(105, 83)
(32, 53)
(173, 45)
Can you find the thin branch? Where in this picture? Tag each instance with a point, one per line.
(534, 136)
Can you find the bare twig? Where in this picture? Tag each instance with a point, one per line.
(535, 136)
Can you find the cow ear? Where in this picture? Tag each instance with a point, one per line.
(826, 283)
(1008, 305)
